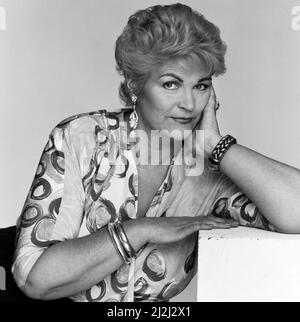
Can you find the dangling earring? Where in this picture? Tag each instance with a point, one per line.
(133, 118)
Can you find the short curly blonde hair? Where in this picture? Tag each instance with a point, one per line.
(160, 33)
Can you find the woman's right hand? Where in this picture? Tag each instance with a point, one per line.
(172, 229)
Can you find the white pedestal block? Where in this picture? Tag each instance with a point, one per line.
(247, 264)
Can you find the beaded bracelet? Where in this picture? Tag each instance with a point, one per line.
(219, 151)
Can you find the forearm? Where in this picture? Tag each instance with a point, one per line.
(75, 265)
(273, 186)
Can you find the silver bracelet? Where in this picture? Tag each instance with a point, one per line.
(124, 240)
(117, 243)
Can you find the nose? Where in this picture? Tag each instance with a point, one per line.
(188, 100)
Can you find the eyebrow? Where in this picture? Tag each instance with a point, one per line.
(178, 78)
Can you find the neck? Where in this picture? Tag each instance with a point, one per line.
(153, 148)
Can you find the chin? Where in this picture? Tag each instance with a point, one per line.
(180, 134)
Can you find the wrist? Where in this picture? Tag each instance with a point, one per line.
(210, 142)
(136, 231)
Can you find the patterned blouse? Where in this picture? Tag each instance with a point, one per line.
(77, 190)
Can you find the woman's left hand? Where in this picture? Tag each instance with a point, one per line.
(209, 124)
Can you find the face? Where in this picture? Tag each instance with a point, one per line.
(174, 97)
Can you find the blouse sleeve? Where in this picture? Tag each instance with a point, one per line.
(231, 202)
(53, 208)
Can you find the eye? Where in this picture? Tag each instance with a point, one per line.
(170, 85)
(202, 86)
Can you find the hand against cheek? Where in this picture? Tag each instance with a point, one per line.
(209, 124)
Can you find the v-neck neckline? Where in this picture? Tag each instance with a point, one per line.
(160, 191)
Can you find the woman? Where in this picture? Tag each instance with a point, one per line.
(96, 173)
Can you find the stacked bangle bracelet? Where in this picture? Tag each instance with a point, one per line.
(121, 242)
(124, 240)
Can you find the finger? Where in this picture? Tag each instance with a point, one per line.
(227, 225)
(219, 219)
(221, 225)
(208, 120)
(231, 222)
(213, 219)
(206, 227)
(198, 225)
(211, 104)
(188, 230)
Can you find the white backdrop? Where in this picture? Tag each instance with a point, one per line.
(57, 59)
